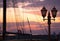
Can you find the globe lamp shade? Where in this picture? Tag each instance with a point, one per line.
(54, 12)
(43, 12)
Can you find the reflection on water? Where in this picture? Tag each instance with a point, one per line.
(11, 35)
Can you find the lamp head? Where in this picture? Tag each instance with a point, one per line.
(54, 12)
(43, 11)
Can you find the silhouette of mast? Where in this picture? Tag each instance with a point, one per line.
(30, 30)
(29, 26)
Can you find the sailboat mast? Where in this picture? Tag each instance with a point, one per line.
(29, 25)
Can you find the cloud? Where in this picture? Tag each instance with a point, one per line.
(35, 3)
(47, 3)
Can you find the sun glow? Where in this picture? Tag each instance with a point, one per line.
(20, 14)
(42, 0)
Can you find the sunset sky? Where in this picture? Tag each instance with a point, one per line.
(19, 10)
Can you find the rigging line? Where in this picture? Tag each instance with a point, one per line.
(16, 20)
(41, 24)
(29, 25)
(21, 24)
(15, 15)
(35, 16)
(14, 11)
(23, 15)
(38, 19)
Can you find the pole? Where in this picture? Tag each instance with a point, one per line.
(49, 22)
(4, 19)
(49, 33)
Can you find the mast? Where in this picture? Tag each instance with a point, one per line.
(29, 26)
(30, 30)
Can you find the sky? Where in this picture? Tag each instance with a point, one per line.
(19, 12)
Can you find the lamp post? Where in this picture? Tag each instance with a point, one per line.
(4, 19)
(54, 12)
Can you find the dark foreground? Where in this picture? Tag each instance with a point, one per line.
(29, 38)
(26, 40)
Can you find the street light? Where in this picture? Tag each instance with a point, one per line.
(54, 13)
(44, 11)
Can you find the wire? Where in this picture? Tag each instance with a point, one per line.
(15, 15)
(21, 25)
(23, 16)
